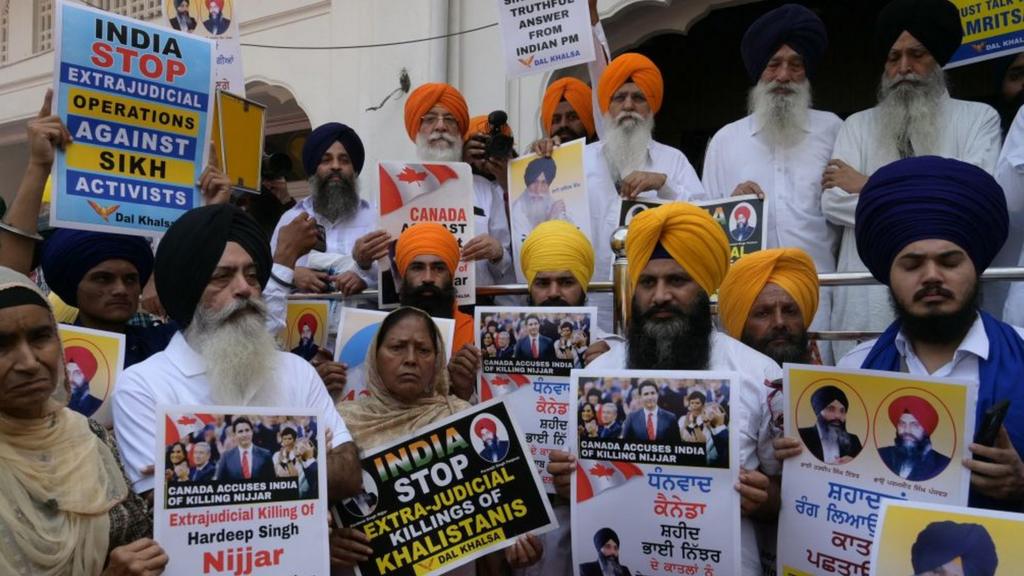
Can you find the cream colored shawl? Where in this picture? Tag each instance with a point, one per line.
(379, 418)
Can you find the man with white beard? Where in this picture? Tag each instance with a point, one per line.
(212, 266)
(915, 116)
(781, 148)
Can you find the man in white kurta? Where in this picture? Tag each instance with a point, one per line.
(1010, 175)
(915, 116)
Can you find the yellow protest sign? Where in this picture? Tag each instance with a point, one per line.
(238, 139)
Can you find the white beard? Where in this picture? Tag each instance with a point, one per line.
(625, 143)
(239, 353)
(428, 153)
(782, 117)
(910, 111)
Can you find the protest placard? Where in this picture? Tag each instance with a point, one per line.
(217, 20)
(919, 538)
(547, 188)
(528, 354)
(306, 327)
(540, 35)
(660, 444)
(241, 491)
(447, 494)
(440, 192)
(356, 330)
(992, 28)
(868, 436)
(93, 359)
(238, 140)
(135, 98)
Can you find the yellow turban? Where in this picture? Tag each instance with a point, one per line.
(426, 238)
(789, 268)
(429, 95)
(631, 67)
(479, 124)
(554, 246)
(688, 233)
(577, 94)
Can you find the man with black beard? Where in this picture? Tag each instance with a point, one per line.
(606, 541)
(927, 228)
(828, 438)
(915, 116)
(912, 456)
(211, 268)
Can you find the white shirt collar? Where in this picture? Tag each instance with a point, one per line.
(756, 126)
(184, 357)
(975, 342)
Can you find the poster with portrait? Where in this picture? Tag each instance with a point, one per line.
(742, 219)
(440, 192)
(991, 30)
(528, 354)
(661, 443)
(919, 538)
(547, 188)
(447, 494)
(217, 20)
(868, 437)
(93, 360)
(241, 490)
(305, 328)
(356, 330)
(136, 99)
(539, 36)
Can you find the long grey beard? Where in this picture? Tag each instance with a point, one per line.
(239, 353)
(335, 199)
(536, 209)
(782, 117)
(428, 153)
(625, 144)
(908, 113)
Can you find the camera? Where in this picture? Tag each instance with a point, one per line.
(274, 166)
(498, 145)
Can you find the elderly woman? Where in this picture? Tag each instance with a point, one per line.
(408, 385)
(65, 506)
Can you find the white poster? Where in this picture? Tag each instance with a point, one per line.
(541, 35)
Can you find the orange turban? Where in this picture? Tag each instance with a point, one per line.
(577, 94)
(426, 238)
(630, 66)
(789, 268)
(429, 95)
(688, 233)
(479, 124)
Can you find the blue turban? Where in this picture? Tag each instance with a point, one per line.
(602, 536)
(68, 255)
(789, 24)
(935, 23)
(826, 395)
(543, 165)
(323, 137)
(928, 198)
(942, 542)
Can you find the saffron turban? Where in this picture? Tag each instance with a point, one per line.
(485, 424)
(191, 249)
(631, 67)
(577, 94)
(826, 395)
(688, 234)
(323, 138)
(935, 23)
(929, 198)
(479, 124)
(789, 24)
(308, 320)
(68, 255)
(917, 407)
(789, 268)
(543, 165)
(83, 358)
(942, 542)
(426, 238)
(432, 94)
(557, 245)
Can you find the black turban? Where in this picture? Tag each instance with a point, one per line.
(326, 135)
(603, 535)
(68, 255)
(822, 397)
(543, 165)
(789, 24)
(935, 23)
(929, 198)
(942, 542)
(191, 249)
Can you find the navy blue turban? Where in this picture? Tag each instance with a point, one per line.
(191, 249)
(826, 395)
(928, 198)
(326, 135)
(789, 24)
(935, 23)
(942, 542)
(604, 535)
(543, 165)
(68, 255)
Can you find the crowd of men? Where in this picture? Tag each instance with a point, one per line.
(904, 190)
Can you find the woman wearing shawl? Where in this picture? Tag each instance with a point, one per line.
(408, 385)
(65, 507)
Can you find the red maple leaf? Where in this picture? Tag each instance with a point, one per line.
(187, 420)
(500, 381)
(601, 471)
(409, 175)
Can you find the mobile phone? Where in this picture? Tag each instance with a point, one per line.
(987, 430)
(321, 239)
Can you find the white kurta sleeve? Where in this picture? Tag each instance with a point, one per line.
(715, 179)
(134, 425)
(681, 182)
(838, 205)
(1009, 170)
(985, 137)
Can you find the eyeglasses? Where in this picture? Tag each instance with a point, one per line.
(432, 120)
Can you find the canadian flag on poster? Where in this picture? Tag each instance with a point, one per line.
(596, 476)
(185, 425)
(492, 385)
(400, 183)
